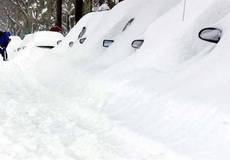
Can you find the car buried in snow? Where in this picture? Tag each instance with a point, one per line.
(80, 37)
(47, 39)
(136, 44)
(41, 39)
(108, 42)
(25, 42)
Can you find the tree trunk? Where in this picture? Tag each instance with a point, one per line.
(67, 23)
(78, 10)
(111, 3)
(101, 2)
(59, 13)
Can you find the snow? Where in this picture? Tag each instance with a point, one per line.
(47, 38)
(104, 7)
(167, 100)
(13, 46)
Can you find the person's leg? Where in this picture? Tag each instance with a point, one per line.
(5, 56)
(2, 53)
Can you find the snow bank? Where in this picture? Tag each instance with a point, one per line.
(13, 46)
(168, 100)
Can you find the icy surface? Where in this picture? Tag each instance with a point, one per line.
(166, 101)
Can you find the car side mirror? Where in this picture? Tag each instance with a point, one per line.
(71, 44)
(137, 43)
(82, 40)
(212, 35)
(58, 42)
(107, 43)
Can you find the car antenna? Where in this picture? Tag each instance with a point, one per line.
(184, 10)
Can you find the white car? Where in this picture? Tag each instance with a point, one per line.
(41, 39)
(46, 39)
(25, 42)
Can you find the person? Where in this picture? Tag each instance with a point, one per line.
(4, 41)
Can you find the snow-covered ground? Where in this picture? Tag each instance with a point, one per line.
(167, 100)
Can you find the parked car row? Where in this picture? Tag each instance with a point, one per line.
(81, 38)
(49, 39)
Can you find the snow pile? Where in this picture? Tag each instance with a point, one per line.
(168, 100)
(104, 7)
(13, 46)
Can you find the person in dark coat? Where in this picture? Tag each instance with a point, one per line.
(4, 41)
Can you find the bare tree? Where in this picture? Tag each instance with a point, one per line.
(78, 10)
(26, 16)
(59, 13)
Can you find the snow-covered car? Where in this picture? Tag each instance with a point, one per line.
(46, 39)
(80, 37)
(108, 42)
(136, 44)
(41, 39)
(25, 42)
(84, 27)
(77, 35)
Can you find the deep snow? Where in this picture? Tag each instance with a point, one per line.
(168, 100)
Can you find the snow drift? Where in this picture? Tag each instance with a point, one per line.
(167, 100)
